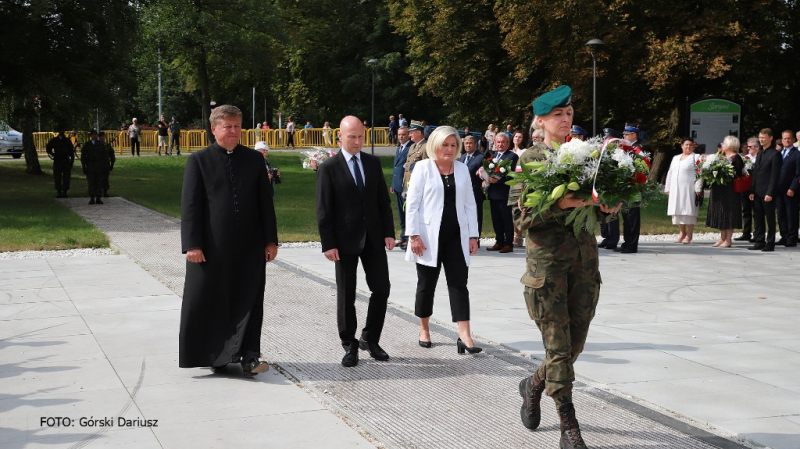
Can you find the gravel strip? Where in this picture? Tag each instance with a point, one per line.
(80, 252)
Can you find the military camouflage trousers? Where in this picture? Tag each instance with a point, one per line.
(561, 297)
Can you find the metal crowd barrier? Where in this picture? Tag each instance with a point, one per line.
(196, 139)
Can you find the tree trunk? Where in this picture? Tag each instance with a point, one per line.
(32, 166)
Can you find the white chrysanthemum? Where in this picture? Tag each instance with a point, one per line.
(622, 157)
(574, 152)
(709, 160)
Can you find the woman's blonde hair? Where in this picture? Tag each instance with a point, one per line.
(437, 138)
(732, 143)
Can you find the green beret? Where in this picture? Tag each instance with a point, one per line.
(559, 97)
(416, 125)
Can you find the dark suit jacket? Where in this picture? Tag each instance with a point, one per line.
(473, 166)
(790, 172)
(499, 191)
(398, 170)
(343, 214)
(767, 171)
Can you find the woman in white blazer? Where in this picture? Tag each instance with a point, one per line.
(442, 225)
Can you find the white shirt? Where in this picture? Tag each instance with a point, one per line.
(347, 157)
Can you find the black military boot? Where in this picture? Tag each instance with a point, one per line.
(531, 389)
(91, 200)
(570, 431)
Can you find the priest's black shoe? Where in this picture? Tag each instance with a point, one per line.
(375, 351)
(222, 369)
(768, 248)
(350, 358)
(757, 247)
(743, 238)
(253, 367)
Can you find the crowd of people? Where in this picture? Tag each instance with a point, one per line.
(774, 178)
(229, 233)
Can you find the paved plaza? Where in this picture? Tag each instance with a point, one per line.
(692, 347)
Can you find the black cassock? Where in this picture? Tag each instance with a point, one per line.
(227, 211)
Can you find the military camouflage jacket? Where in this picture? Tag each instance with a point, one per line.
(416, 153)
(548, 240)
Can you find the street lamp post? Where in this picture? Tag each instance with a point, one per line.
(593, 45)
(372, 63)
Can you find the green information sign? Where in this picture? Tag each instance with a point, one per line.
(713, 119)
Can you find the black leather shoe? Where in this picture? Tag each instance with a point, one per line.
(425, 344)
(222, 369)
(791, 244)
(99, 201)
(743, 238)
(375, 351)
(782, 241)
(619, 249)
(91, 201)
(757, 247)
(253, 367)
(611, 247)
(768, 248)
(602, 244)
(350, 358)
(628, 251)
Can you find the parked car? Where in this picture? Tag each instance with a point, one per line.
(10, 141)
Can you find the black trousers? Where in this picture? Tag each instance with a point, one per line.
(610, 232)
(376, 267)
(290, 141)
(95, 181)
(788, 216)
(502, 221)
(62, 170)
(401, 214)
(175, 141)
(764, 211)
(631, 224)
(135, 146)
(479, 206)
(747, 214)
(451, 255)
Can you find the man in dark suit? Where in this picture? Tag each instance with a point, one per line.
(355, 221)
(788, 202)
(498, 198)
(398, 170)
(764, 189)
(474, 159)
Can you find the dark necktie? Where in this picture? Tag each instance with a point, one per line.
(357, 171)
(466, 161)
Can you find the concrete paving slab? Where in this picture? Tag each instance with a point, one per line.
(777, 432)
(103, 306)
(48, 309)
(31, 295)
(42, 327)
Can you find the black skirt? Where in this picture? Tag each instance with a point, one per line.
(724, 208)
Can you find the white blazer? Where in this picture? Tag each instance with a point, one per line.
(425, 204)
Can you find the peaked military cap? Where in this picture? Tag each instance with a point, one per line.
(577, 130)
(631, 128)
(416, 124)
(559, 97)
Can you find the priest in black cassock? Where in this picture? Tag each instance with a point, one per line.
(228, 233)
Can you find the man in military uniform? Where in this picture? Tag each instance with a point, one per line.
(417, 152)
(94, 159)
(112, 158)
(631, 219)
(175, 136)
(62, 152)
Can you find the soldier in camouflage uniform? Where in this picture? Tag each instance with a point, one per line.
(112, 158)
(94, 159)
(417, 152)
(562, 281)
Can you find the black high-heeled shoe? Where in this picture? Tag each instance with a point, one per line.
(463, 347)
(425, 344)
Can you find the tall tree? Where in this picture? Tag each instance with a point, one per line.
(61, 57)
(218, 48)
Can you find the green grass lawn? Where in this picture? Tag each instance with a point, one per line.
(31, 218)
